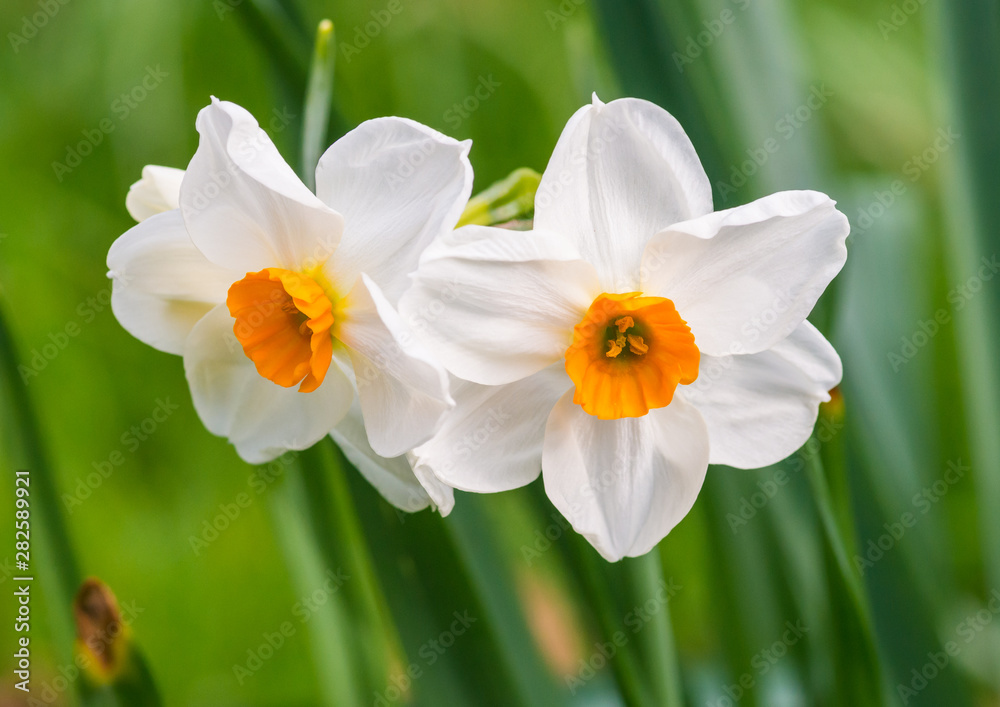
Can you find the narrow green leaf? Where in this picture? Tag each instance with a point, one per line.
(656, 641)
(971, 39)
(867, 681)
(319, 94)
(333, 641)
(52, 560)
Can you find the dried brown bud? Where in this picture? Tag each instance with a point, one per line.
(102, 637)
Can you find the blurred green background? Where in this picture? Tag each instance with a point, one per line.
(886, 561)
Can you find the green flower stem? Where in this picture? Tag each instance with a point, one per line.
(319, 94)
(656, 641)
(339, 530)
(867, 680)
(280, 39)
(971, 46)
(333, 641)
(52, 552)
(476, 548)
(593, 576)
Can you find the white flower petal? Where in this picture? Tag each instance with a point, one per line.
(244, 206)
(403, 390)
(761, 407)
(162, 284)
(393, 478)
(499, 305)
(620, 173)
(745, 278)
(492, 440)
(624, 484)
(260, 418)
(159, 190)
(398, 184)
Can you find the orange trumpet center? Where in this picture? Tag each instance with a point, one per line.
(284, 321)
(629, 354)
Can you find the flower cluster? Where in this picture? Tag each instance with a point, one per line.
(629, 340)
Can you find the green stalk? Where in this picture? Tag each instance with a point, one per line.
(338, 531)
(51, 551)
(319, 94)
(329, 628)
(656, 641)
(470, 529)
(971, 37)
(868, 685)
(279, 38)
(593, 576)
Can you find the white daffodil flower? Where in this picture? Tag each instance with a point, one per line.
(283, 302)
(634, 336)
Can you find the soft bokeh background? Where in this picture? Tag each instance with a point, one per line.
(892, 108)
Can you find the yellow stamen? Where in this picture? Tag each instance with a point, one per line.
(636, 345)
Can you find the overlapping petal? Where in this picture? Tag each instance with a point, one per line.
(162, 284)
(493, 439)
(244, 207)
(624, 484)
(398, 184)
(745, 278)
(393, 478)
(499, 305)
(402, 388)
(761, 407)
(260, 418)
(620, 173)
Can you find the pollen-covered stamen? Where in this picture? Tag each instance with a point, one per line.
(283, 322)
(636, 345)
(629, 354)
